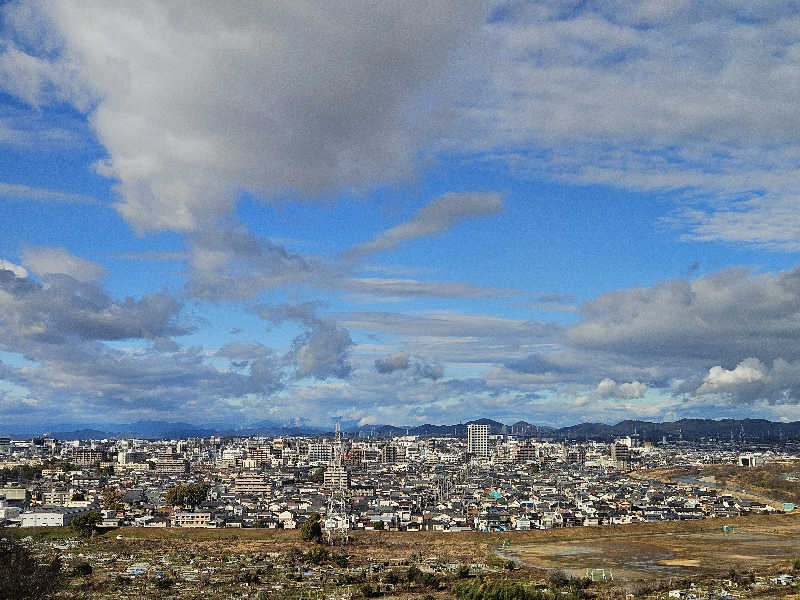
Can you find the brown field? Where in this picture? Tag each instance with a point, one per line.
(662, 551)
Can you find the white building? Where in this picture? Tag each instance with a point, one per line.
(10, 513)
(56, 516)
(478, 440)
(191, 519)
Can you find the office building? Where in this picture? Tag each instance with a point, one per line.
(478, 440)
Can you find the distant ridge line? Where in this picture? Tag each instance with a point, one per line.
(687, 429)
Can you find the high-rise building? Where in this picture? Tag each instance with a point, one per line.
(478, 440)
(621, 454)
(336, 476)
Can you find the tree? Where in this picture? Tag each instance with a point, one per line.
(112, 500)
(176, 495)
(317, 475)
(311, 531)
(86, 523)
(196, 494)
(379, 525)
(24, 577)
(187, 495)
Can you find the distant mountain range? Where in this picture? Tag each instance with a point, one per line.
(687, 429)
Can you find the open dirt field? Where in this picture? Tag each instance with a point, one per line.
(647, 551)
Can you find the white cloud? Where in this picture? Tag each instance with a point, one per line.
(24, 192)
(195, 101)
(691, 97)
(436, 217)
(47, 260)
(17, 270)
(608, 388)
(750, 370)
(725, 316)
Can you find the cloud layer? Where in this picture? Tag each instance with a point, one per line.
(195, 102)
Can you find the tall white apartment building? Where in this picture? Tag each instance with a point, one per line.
(478, 440)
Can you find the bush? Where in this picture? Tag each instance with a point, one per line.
(494, 590)
(462, 572)
(22, 575)
(391, 577)
(430, 580)
(797, 564)
(317, 555)
(340, 560)
(557, 579)
(413, 574)
(165, 582)
(81, 568)
(369, 592)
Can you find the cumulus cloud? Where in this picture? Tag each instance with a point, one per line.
(427, 371)
(192, 110)
(229, 263)
(17, 270)
(62, 309)
(401, 361)
(195, 102)
(608, 388)
(748, 371)
(436, 217)
(62, 326)
(322, 350)
(47, 260)
(753, 381)
(394, 362)
(724, 317)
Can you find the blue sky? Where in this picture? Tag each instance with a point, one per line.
(551, 211)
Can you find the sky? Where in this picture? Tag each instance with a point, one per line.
(404, 213)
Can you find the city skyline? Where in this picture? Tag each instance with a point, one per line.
(427, 213)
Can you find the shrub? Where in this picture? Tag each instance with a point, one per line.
(165, 582)
(22, 575)
(391, 577)
(340, 560)
(430, 580)
(81, 568)
(413, 574)
(369, 592)
(317, 555)
(557, 578)
(462, 572)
